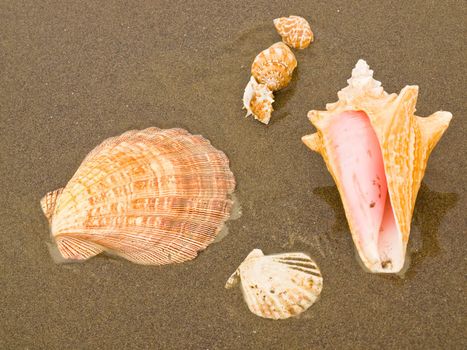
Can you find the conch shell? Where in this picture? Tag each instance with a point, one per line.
(274, 66)
(376, 150)
(257, 100)
(295, 31)
(151, 196)
(278, 286)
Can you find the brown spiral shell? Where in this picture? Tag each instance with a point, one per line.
(274, 66)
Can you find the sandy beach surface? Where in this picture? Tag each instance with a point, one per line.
(75, 73)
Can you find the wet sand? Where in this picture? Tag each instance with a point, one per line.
(72, 75)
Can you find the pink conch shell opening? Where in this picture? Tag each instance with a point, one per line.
(151, 196)
(376, 149)
(359, 160)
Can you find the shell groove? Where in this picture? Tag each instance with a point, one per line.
(274, 66)
(378, 184)
(278, 286)
(295, 31)
(257, 100)
(152, 196)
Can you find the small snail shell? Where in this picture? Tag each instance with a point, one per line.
(274, 66)
(295, 31)
(257, 100)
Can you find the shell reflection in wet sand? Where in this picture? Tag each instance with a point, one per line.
(431, 207)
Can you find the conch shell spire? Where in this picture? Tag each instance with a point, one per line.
(376, 149)
(361, 83)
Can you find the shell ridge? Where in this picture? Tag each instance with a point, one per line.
(138, 250)
(145, 233)
(77, 249)
(100, 180)
(404, 111)
(149, 207)
(112, 143)
(49, 202)
(211, 217)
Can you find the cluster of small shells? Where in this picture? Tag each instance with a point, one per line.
(272, 68)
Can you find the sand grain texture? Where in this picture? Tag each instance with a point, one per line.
(75, 73)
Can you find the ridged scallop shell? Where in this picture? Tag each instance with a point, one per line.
(295, 31)
(274, 66)
(376, 149)
(257, 100)
(278, 286)
(152, 196)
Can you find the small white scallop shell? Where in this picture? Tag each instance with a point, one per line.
(257, 100)
(278, 286)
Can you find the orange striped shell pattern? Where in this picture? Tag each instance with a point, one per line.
(295, 31)
(152, 196)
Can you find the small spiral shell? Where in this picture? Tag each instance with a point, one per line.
(257, 100)
(295, 31)
(274, 66)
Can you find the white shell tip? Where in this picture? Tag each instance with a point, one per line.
(258, 100)
(248, 95)
(361, 83)
(362, 66)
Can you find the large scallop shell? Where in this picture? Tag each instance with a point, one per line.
(257, 100)
(274, 66)
(151, 196)
(295, 31)
(376, 149)
(278, 286)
